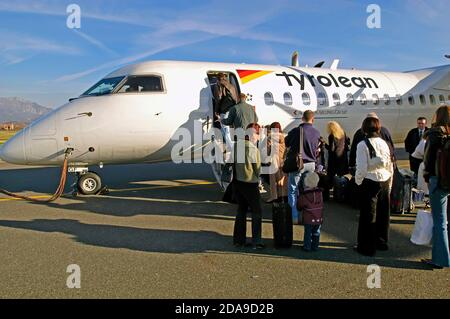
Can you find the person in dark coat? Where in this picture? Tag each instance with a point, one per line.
(412, 140)
(338, 146)
(359, 136)
(439, 196)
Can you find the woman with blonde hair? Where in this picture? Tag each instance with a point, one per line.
(338, 146)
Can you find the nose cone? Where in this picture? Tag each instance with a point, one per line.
(13, 151)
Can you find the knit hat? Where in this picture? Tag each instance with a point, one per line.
(311, 180)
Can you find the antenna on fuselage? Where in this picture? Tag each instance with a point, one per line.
(294, 61)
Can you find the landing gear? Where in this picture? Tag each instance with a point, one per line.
(89, 183)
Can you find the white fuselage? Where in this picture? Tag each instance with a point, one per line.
(138, 127)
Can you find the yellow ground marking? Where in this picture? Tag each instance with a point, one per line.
(159, 187)
(34, 197)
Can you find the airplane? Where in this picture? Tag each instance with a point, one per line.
(133, 114)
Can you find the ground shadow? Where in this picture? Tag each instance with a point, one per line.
(185, 242)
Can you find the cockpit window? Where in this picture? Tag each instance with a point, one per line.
(104, 86)
(138, 84)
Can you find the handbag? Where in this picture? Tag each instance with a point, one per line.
(227, 173)
(294, 161)
(423, 228)
(229, 170)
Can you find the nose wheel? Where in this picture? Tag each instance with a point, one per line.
(89, 184)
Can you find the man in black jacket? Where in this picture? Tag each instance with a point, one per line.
(359, 136)
(412, 140)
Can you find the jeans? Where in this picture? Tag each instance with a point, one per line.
(311, 237)
(226, 132)
(293, 182)
(247, 195)
(439, 203)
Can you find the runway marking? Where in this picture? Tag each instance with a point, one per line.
(121, 190)
(162, 200)
(34, 197)
(159, 187)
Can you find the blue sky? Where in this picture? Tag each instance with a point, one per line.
(41, 59)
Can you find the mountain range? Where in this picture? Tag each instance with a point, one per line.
(15, 109)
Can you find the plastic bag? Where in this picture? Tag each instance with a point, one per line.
(423, 228)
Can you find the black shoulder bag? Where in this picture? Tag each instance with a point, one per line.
(294, 161)
(372, 152)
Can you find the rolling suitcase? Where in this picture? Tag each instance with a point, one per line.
(340, 185)
(282, 224)
(324, 184)
(401, 193)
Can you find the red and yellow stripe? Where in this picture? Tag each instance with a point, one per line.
(250, 75)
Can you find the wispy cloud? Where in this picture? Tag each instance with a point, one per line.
(192, 26)
(95, 42)
(126, 60)
(432, 13)
(90, 10)
(16, 48)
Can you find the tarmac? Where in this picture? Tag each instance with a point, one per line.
(163, 232)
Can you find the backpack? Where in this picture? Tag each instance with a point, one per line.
(443, 164)
(310, 202)
(226, 102)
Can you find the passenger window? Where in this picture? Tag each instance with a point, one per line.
(350, 99)
(422, 99)
(432, 99)
(336, 99)
(306, 99)
(441, 98)
(287, 98)
(387, 99)
(322, 99)
(140, 84)
(363, 99)
(376, 99)
(399, 99)
(268, 98)
(411, 100)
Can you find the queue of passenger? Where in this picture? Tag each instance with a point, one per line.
(293, 179)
